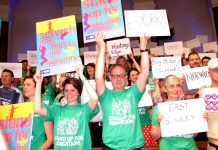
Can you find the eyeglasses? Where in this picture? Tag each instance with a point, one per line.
(121, 76)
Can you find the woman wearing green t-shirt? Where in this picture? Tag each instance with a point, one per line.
(42, 131)
(172, 87)
(71, 121)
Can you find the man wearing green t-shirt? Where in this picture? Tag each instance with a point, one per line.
(121, 122)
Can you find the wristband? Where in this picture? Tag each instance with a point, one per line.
(146, 50)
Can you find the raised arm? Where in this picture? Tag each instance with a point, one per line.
(135, 62)
(100, 64)
(143, 76)
(37, 100)
(91, 91)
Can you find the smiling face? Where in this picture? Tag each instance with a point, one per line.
(71, 94)
(133, 76)
(118, 77)
(194, 61)
(29, 88)
(90, 71)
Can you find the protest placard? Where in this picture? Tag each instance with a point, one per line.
(32, 58)
(163, 66)
(202, 38)
(182, 117)
(119, 47)
(16, 68)
(173, 48)
(149, 22)
(157, 51)
(210, 47)
(16, 123)
(197, 77)
(210, 96)
(102, 16)
(57, 46)
(21, 57)
(193, 43)
(90, 57)
(211, 55)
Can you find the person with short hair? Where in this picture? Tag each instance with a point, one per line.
(205, 60)
(7, 77)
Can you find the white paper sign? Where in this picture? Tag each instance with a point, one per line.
(157, 51)
(16, 68)
(151, 22)
(210, 96)
(21, 57)
(173, 48)
(197, 77)
(193, 43)
(211, 55)
(31, 57)
(119, 47)
(163, 66)
(90, 57)
(202, 38)
(210, 47)
(182, 117)
(146, 99)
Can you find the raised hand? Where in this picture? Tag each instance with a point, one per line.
(100, 40)
(143, 41)
(38, 77)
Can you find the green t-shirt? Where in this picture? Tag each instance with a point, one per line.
(121, 122)
(47, 100)
(180, 142)
(71, 130)
(50, 91)
(150, 81)
(144, 116)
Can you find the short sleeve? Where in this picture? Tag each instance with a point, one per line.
(89, 112)
(154, 116)
(50, 112)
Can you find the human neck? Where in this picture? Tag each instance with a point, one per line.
(7, 85)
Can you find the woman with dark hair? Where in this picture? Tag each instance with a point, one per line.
(71, 121)
(90, 71)
(42, 131)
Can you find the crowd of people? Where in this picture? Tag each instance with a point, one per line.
(63, 121)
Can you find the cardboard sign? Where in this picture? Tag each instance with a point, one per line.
(182, 117)
(163, 66)
(197, 77)
(90, 57)
(57, 46)
(104, 16)
(210, 96)
(31, 57)
(173, 48)
(149, 22)
(157, 51)
(202, 38)
(119, 47)
(16, 122)
(210, 47)
(16, 68)
(21, 57)
(193, 43)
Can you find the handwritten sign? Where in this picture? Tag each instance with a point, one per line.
(163, 66)
(197, 77)
(119, 47)
(210, 96)
(173, 48)
(104, 16)
(210, 47)
(16, 122)
(157, 51)
(57, 46)
(21, 57)
(90, 57)
(202, 38)
(193, 43)
(31, 57)
(16, 68)
(182, 117)
(151, 22)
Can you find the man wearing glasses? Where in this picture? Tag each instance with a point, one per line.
(121, 122)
